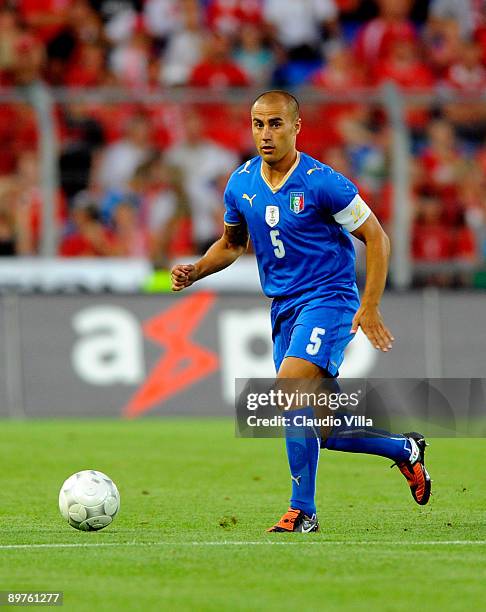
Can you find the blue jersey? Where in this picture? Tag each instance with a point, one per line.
(299, 228)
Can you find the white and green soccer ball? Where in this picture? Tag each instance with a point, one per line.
(89, 500)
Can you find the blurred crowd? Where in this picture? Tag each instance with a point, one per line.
(140, 179)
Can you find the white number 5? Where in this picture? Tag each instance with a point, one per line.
(279, 249)
(315, 341)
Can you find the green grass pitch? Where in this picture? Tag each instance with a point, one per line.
(195, 502)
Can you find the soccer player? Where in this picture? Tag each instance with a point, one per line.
(299, 214)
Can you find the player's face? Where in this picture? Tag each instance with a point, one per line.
(275, 129)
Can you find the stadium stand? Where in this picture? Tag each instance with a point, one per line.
(125, 189)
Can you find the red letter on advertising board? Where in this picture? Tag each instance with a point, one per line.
(184, 362)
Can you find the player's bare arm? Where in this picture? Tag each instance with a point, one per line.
(220, 255)
(368, 316)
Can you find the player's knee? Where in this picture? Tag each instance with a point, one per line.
(295, 367)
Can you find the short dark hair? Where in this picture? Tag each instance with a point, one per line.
(291, 100)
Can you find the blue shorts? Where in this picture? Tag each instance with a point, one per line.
(317, 330)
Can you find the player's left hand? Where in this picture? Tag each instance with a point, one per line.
(371, 322)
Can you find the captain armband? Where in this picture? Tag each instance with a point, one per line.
(354, 215)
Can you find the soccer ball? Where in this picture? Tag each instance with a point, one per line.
(89, 500)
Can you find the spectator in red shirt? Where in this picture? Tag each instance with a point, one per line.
(480, 36)
(432, 238)
(89, 69)
(82, 27)
(442, 160)
(376, 39)
(404, 66)
(468, 75)
(29, 203)
(45, 17)
(228, 16)
(341, 74)
(218, 70)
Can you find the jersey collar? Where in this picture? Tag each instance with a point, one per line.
(279, 186)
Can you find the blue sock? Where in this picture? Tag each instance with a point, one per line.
(303, 445)
(374, 442)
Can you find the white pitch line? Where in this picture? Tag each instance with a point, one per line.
(250, 543)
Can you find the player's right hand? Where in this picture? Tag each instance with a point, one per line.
(183, 276)
(371, 322)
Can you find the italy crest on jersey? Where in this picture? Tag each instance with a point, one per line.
(296, 201)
